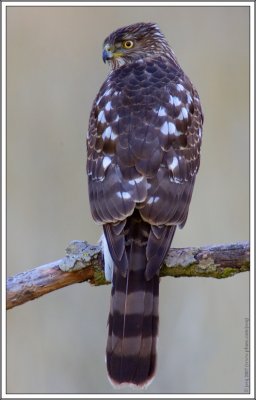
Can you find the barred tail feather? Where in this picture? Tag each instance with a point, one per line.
(133, 323)
(137, 250)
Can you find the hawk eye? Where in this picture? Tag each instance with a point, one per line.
(127, 44)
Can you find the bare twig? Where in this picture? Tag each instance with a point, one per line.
(220, 261)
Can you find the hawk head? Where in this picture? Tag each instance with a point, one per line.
(133, 43)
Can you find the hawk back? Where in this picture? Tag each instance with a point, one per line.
(143, 156)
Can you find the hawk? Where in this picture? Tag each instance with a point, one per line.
(143, 149)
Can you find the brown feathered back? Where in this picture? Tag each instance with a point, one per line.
(143, 155)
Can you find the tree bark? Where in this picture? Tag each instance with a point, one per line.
(221, 261)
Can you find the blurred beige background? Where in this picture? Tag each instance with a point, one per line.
(57, 344)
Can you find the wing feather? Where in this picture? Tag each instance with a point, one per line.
(143, 153)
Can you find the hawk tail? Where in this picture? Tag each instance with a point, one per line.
(133, 323)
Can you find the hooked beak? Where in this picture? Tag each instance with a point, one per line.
(107, 54)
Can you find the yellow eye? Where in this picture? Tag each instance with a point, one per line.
(127, 44)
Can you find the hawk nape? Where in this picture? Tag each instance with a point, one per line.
(143, 147)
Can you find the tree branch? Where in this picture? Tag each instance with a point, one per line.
(220, 261)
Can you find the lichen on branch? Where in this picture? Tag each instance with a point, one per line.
(85, 262)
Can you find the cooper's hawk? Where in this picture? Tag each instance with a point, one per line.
(143, 155)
